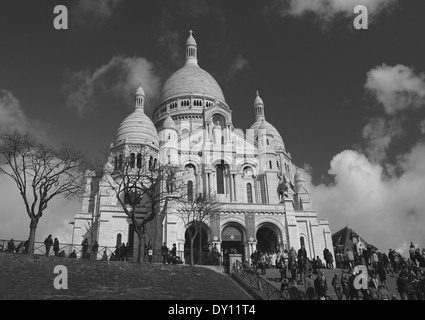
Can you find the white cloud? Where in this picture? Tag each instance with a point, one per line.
(120, 76)
(13, 117)
(386, 211)
(422, 126)
(382, 200)
(237, 65)
(94, 12)
(379, 133)
(396, 88)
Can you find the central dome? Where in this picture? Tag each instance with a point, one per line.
(191, 80)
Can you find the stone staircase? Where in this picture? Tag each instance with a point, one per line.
(273, 277)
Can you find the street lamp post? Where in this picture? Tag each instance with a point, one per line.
(72, 238)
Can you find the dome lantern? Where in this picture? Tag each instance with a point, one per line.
(259, 108)
(191, 50)
(139, 97)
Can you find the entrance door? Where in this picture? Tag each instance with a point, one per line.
(232, 241)
(266, 240)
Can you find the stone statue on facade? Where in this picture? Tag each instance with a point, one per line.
(171, 181)
(283, 187)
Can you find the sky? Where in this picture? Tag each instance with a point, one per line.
(348, 103)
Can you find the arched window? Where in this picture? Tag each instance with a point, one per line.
(185, 131)
(190, 191)
(249, 192)
(220, 179)
(150, 162)
(132, 159)
(139, 160)
(119, 239)
(302, 243)
(120, 162)
(154, 163)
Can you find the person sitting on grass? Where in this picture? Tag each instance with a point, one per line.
(62, 254)
(73, 255)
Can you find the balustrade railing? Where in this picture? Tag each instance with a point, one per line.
(256, 283)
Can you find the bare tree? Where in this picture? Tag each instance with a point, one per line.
(141, 185)
(41, 173)
(196, 213)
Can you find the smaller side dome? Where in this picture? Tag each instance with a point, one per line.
(169, 123)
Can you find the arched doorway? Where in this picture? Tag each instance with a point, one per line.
(232, 240)
(267, 239)
(201, 240)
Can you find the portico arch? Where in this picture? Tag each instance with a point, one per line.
(269, 237)
(233, 238)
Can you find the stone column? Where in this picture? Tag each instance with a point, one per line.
(234, 185)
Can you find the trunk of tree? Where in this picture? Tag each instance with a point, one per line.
(192, 240)
(140, 247)
(31, 238)
(200, 245)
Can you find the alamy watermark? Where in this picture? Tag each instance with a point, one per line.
(60, 281)
(60, 21)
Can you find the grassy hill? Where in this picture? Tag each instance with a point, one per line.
(32, 277)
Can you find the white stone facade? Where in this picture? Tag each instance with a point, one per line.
(265, 203)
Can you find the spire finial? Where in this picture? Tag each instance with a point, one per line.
(258, 94)
(191, 49)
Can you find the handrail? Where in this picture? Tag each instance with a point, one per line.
(255, 282)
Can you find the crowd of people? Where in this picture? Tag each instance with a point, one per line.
(297, 269)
